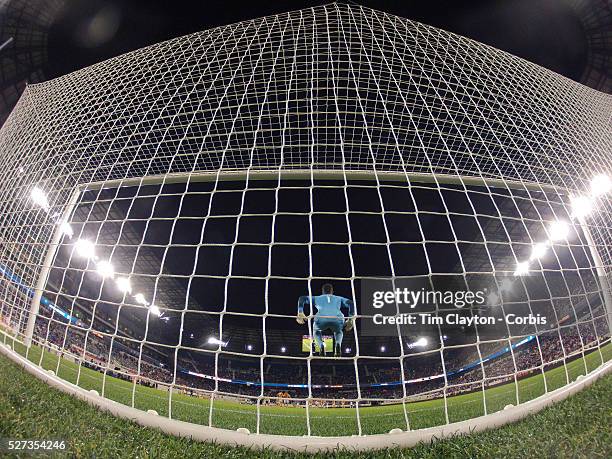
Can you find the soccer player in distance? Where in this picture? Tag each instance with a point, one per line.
(329, 316)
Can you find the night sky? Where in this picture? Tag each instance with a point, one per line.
(546, 32)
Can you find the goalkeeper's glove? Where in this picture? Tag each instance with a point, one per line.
(350, 323)
(301, 318)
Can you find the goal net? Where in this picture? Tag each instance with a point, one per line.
(163, 212)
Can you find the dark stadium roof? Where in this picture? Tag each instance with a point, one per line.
(570, 37)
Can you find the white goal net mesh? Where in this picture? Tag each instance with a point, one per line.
(163, 211)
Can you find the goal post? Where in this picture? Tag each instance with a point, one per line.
(43, 275)
(600, 267)
(245, 181)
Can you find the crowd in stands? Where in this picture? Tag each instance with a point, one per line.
(94, 350)
(425, 379)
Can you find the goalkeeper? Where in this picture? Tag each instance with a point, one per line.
(328, 317)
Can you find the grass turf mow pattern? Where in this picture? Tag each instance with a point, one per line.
(576, 427)
(281, 420)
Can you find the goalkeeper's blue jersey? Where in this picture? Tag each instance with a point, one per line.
(328, 305)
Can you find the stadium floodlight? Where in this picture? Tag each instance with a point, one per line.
(538, 250)
(39, 197)
(124, 285)
(67, 230)
(216, 341)
(558, 230)
(421, 342)
(105, 269)
(581, 206)
(600, 185)
(155, 310)
(85, 248)
(522, 268)
(140, 299)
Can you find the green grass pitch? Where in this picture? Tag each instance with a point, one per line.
(578, 427)
(324, 421)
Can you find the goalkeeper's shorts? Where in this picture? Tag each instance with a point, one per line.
(335, 325)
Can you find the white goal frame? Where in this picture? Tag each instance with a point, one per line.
(474, 168)
(296, 174)
(310, 443)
